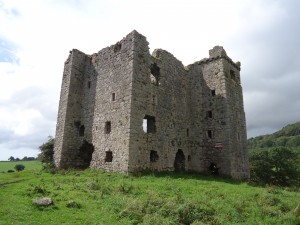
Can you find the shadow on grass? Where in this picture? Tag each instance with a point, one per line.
(190, 176)
(163, 174)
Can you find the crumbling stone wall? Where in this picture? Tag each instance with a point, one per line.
(149, 112)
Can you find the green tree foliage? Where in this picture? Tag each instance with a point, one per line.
(278, 166)
(289, 130)
(25, 158)
(293, 141)
(288, 136)
(46, 155)
(11, 158)
(19, 167)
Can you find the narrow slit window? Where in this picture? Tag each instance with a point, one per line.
(89, 84)
(154, 100)
(187, 132)
(149, 124)
(113, 97)
(107, 128)
(81, 130)
(213, 92)
(108, 156)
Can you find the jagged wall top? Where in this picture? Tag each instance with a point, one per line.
(218, 52)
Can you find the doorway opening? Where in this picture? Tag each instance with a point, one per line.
(85, 154)
(179, 162)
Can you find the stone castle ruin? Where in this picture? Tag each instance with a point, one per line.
(123, 109)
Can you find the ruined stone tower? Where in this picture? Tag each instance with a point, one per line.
(122, 109)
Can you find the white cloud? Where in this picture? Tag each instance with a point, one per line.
(36, 36)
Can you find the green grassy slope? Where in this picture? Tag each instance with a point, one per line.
(93, 197)
(29, 165)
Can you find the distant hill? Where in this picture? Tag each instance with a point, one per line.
(289, 136)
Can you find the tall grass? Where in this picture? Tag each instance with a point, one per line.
(95, 197)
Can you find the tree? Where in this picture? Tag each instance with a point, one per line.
(19, 167)
(31, 158)
(46, 155)
(278, 166)
(11, 158)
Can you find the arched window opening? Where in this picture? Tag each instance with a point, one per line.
(179, 162)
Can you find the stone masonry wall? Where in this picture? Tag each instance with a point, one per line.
(165, 99)
(228, 120)
(148, 112)
(66, 139)
(113, 66)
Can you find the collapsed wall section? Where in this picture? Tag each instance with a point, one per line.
(159, 111)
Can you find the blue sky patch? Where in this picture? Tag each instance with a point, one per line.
(7, 51)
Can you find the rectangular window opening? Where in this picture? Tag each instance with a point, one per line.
(108, 156)
(210, 134)
(153, 156)
(89, 84)
(107, 128)
(149, 124)
(213, 92)
(113, 97)
(209, 114)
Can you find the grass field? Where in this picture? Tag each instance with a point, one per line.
(29, 165)
(95, 197)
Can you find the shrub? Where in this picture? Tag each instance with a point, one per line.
(278, 166)
(46, 155)
(19, 167)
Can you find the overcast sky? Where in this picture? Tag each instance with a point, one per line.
(37, 35)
